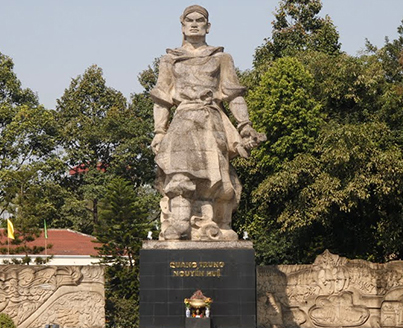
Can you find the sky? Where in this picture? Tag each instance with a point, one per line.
(53, 41)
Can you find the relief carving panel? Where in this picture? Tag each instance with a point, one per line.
(332, 292)
(70, 296)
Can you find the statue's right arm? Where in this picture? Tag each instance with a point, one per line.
(161, 116)
(162, 98)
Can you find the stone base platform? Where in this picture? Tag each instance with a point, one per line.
(171, 271)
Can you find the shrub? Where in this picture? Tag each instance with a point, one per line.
(6, 321)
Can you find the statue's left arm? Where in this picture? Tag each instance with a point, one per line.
(239, 109)
(233, 93)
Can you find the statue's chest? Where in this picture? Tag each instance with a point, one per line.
(197, 68)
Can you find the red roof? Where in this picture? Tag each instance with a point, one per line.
(64, 241)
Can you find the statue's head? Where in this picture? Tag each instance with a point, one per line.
(195, 22)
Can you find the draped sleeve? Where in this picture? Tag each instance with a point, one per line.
(229, 83)
(163, 91)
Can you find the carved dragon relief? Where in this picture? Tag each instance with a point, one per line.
(24, 290)
(332, 292)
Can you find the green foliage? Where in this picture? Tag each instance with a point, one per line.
(348, 190)
(82, 116)
(98, 127)
(298, 28)
(124, 223)
(27, 158)
(133, 158)
(6, 321)
(81, 206)
(28, 197)
(27, 133)
(10, 87)
(104, 137)
(122, 296)
(391, 56)
(338, 183)
(348, 88)
(148, 77)
(282, 106)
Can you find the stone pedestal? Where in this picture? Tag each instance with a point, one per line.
(172, 271)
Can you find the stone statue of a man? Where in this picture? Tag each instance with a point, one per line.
(199, 186)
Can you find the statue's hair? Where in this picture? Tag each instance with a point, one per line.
(192, 9)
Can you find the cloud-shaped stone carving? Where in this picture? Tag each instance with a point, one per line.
(338, 310)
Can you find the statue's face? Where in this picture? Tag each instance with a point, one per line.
(195, 25)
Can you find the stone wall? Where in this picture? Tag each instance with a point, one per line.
(70, 296)
(332, 292)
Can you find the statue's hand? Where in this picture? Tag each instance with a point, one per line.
(251, 138)
(156, 143)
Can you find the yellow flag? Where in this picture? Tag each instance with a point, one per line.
(10, 229)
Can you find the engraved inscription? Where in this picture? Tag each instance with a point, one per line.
(196, 269)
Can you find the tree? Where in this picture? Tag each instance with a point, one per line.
(298, 28)
(348, 88)
(134, 153)
(341, 190)
(118, 146)
(27, 155)
(133, 132)
(124, 223)
(27, 130)
(347, 191)
(22, 205)
(11, 92)
(82, 116)
(390, 58)
(282, 106)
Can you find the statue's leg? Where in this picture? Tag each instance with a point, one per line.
(179, 190)
(223, 215)
(179, 227)
(225, 202)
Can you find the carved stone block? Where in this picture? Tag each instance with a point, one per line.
(332, 292)
(68, 296)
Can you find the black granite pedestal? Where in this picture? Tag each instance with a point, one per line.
(173, 271)
(197, 323)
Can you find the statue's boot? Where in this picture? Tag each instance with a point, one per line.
(223, 212)
(179, 221)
